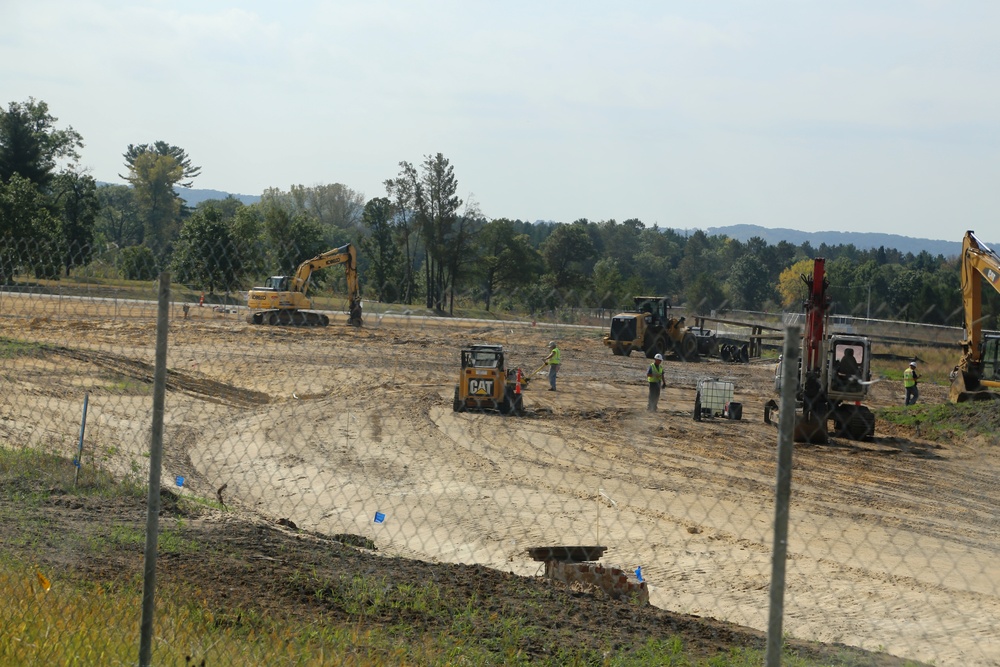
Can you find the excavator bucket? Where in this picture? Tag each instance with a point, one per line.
(811, 429)
(965, 388)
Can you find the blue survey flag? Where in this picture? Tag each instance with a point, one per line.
(179, 480)
(638, 574)
(379, 517)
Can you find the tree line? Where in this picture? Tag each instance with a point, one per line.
(419, 243)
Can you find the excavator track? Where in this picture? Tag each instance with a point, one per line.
(298, 318)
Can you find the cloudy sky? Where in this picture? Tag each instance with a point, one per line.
(811, 115)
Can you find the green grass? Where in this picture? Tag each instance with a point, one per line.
(943, 421)
(11, 348)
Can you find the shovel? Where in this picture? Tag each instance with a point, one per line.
(527, 377)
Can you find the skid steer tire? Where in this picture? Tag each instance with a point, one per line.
(457, 406)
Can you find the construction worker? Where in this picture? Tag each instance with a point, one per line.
(910, 378)
(553, 361)
(656, 381)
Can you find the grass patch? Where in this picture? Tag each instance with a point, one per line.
(12, 348)
(942, 422)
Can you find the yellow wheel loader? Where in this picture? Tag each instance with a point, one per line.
(651, 329)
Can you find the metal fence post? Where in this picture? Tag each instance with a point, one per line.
(783, 488)
(155, 460)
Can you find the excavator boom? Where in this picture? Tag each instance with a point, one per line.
(978, 262)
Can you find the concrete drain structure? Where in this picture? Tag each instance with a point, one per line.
(577, 565)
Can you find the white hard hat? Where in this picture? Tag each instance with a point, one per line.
(658, 357)
(913, 363)
(552, 343)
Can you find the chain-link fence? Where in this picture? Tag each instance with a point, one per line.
(372, 495)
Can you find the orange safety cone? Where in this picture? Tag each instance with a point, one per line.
(517, 386)
(201, 301)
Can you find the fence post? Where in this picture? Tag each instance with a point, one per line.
(783, 488)
(79, 448)
(155, 461)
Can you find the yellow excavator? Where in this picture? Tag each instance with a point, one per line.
(978, 370)
(283, 300)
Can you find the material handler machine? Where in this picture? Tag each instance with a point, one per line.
(283, 300)
(834, 374)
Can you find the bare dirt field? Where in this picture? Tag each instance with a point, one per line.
(892, 542)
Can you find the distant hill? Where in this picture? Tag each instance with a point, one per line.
(861, 240)
(194, 196)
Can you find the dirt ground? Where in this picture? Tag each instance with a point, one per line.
(892, 542)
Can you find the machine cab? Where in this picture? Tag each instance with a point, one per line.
(483, 356)
(849, 369)
(277, 283)
(656, 307)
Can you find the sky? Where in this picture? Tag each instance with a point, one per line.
(809, 115)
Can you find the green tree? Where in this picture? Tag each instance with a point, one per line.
(380, 249)
(403, 191)
(28, 230)
(76, 203)
(704, 295)
(507, 259)
(749, 284)
(206, 256)
(290, 240)
(565, 253)
(445, 236)
(188, 172)
(154, 171)
(137, 262)
(30, 144)
(119, 220)
(153, 178)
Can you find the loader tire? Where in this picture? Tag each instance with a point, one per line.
(688, 347)
(457, 406)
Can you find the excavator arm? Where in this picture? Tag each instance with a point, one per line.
(977, 262)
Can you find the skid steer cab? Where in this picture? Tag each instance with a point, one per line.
(485, 382)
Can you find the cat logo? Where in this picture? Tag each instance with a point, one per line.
(480, 387)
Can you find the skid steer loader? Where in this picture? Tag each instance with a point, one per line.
(485, 383)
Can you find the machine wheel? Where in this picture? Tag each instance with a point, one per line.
(855, 422)
(618, 351)
(518, 405)
(689, 347)
(658, 346)
(505, 405)
(457, 406)
(273, 318)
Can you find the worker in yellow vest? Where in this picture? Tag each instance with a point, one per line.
(656, 381)
(553, 361)
(910, 378)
